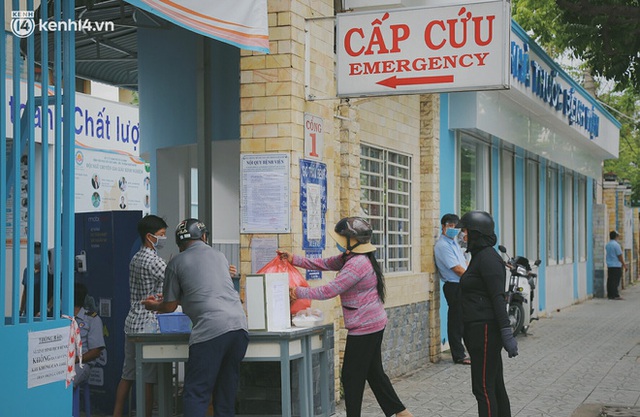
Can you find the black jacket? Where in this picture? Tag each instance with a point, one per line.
(483, 286)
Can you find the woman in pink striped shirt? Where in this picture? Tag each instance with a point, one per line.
(360, 285)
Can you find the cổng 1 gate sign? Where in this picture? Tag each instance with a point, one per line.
(424, 50)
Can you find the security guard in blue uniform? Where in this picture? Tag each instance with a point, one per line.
(91, 334)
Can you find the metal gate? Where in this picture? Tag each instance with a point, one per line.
(36, 204)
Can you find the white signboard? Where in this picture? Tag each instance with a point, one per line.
(47, 356)
(99, 124)
(268, 306)
(278, 305)
(256, 304)
(264, 193)
(421, 50)
(109, 181)
(313, 137)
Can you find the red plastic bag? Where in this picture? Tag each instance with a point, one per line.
(295, 280)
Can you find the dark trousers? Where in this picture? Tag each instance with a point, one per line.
(613, 281)
(363, 362)
(214, 367)
(455, 326)
(484, 343)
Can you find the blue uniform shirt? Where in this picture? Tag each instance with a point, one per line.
(613, 249)
(92, 337)
(448, 254)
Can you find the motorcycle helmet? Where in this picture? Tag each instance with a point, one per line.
(353, 234)
(190, 229)
(477, 220)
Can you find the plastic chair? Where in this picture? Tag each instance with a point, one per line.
(76, 399)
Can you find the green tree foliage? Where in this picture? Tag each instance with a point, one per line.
(626, 107)
(605, 34)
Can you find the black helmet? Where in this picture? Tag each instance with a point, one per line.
(477, 220)
(354, 234)
(190, 229)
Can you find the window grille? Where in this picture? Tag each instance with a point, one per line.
(385, 199)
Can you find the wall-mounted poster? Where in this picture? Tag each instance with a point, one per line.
(109, 181)
(264, 193)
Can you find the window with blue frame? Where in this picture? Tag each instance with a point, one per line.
(531, 210)
(194, 193)
(507, 201)
(581, 222)
(474, 185)
(552, 215)
(568, 220)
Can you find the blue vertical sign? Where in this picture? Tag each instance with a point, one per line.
(313, 254)
(313, 204)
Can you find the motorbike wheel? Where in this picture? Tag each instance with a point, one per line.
(516, 317)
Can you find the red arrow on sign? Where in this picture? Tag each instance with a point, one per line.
(394, 81)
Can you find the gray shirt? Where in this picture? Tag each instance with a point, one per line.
(199, 280)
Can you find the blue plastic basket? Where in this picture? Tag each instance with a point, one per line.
(174, 323)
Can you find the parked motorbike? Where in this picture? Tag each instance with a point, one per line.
(520, 292)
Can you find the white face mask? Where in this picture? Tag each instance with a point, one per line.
(159, 242)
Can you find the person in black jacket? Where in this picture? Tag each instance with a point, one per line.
(484, 312)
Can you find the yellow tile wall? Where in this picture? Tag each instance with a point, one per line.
(274, 98)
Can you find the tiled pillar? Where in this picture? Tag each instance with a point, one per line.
(430, 203)
(273, 102)
(600, 238)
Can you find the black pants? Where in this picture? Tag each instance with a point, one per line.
(613, 280)
(455, 326)
(484, 343)
(363, 362)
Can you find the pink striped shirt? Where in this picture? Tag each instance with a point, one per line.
(356, 284)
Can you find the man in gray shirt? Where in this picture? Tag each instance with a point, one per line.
(198, 279)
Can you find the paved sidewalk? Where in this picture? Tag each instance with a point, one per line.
(583, 361)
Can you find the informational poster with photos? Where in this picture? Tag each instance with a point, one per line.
(109, 173)
(110, 181)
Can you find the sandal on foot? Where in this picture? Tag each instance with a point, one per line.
(465, 361)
